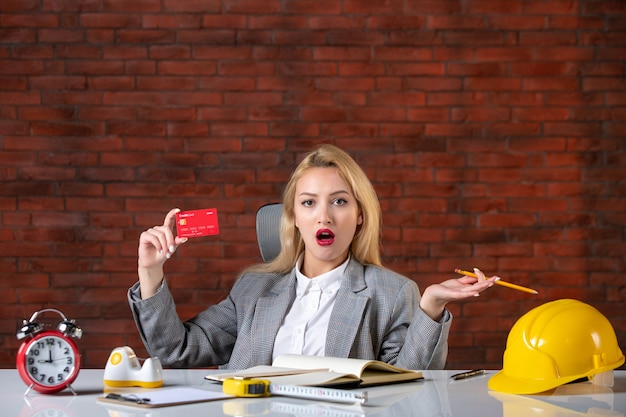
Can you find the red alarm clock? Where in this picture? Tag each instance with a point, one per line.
(48, 361)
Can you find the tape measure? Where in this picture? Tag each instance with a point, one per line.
(253, 387)
(250, 387)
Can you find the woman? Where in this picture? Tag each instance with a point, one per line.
(326, 293)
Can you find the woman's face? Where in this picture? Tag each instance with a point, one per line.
(327, 215)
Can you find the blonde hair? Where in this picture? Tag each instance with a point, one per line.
(365, 244)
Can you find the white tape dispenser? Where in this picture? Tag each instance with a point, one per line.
(123, 370)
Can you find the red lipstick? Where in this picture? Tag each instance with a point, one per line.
(325, 237)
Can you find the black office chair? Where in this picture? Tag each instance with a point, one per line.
(268, 230)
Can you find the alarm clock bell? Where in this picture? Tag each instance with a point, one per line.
(124, 370)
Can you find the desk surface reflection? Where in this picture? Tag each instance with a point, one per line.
(437, 396)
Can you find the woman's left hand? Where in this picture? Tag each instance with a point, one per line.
(436, 296)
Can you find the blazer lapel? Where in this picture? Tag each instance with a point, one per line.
(345, 320)
(269, 314)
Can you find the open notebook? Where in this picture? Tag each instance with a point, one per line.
(324, 371)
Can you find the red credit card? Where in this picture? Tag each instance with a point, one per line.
(195, 223)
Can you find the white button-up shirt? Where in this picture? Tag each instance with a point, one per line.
(304, 328)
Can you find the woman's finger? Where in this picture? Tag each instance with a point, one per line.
(479, 275)
(158, 237)
(170, 218)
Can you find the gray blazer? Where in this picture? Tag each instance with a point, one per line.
(376, 316)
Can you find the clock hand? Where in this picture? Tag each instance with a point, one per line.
(47, 360)
(59, 359)
(51, 360)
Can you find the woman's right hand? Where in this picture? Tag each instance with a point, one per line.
(156, 245)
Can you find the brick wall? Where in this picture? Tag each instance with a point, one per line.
(494, 132)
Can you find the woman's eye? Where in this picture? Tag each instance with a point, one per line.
(340, 201)
(307, 203)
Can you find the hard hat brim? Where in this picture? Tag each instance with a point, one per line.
(511, 385)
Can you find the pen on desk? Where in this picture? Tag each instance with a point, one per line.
(468, 374)
(128, 398)
(499, 282)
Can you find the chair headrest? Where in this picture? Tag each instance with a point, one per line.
(268, 230)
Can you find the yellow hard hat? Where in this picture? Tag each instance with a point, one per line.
(556, 343)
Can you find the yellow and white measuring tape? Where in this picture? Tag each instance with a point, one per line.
(254, 387)
(250, 387)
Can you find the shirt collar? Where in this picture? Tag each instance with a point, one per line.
(328, 281)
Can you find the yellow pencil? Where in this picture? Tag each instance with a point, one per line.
(499, 282)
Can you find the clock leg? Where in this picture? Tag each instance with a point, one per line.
(72, 389)
(28, 389)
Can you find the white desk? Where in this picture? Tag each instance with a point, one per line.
(437, 396)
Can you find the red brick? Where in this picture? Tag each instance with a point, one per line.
(604, 83)
(95, 68)
(143, 6)
(572, 129)
(604, 7)
(505, 54)
(480, 114)
(67, 129)
(594, 113)
(125, 52)
(431, 190)
(417, 69)
(564, 53)
(152, 36)
(455, 99)
(270, 22)
(258, 37)
(237, 129)
(557, 7)
(488, 6)
(20, 5)
(34, 52)
(312, 7)
(186, 68)
(111, 83)
(474, 38)
(513, 129)
(193, 6)
(538, 68)
(428, 114)
(515, 22)
(170, 51)
(550, 83)
(455, 23)
(20, 98)
(372, 7)
(110, 20)
(541, 114)
(68, 21)
(59, 82)
(575, 22)
(478, 69)
(335, 22)
(517, 98)
(173, 22)
(60, 35)
(575, 98)
(548, 38)
(506, 220)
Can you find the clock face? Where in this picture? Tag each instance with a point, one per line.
(49, 361)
